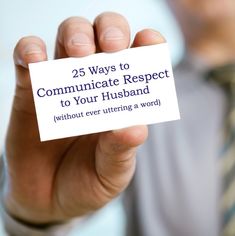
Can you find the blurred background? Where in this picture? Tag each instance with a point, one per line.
(41, 18)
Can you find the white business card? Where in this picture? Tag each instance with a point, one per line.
(104, 91)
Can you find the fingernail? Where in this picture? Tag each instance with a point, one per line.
(32, 49)
(80, 39)
(113, 33)
(156, 35)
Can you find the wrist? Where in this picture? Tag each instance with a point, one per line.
(23, 207)
(26, 217)
(18, 227)
(19, 209)
(31, 216)
(35, 225)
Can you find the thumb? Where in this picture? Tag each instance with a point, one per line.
(115, 157)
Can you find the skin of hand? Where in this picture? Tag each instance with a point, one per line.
(53, 181)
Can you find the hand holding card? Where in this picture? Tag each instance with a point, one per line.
(68, 177)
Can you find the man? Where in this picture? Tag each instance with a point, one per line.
(176, 188)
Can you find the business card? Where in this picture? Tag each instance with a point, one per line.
(104, 91)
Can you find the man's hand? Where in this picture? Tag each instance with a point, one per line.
(57, 180)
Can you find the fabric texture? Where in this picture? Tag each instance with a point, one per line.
(225, 77)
